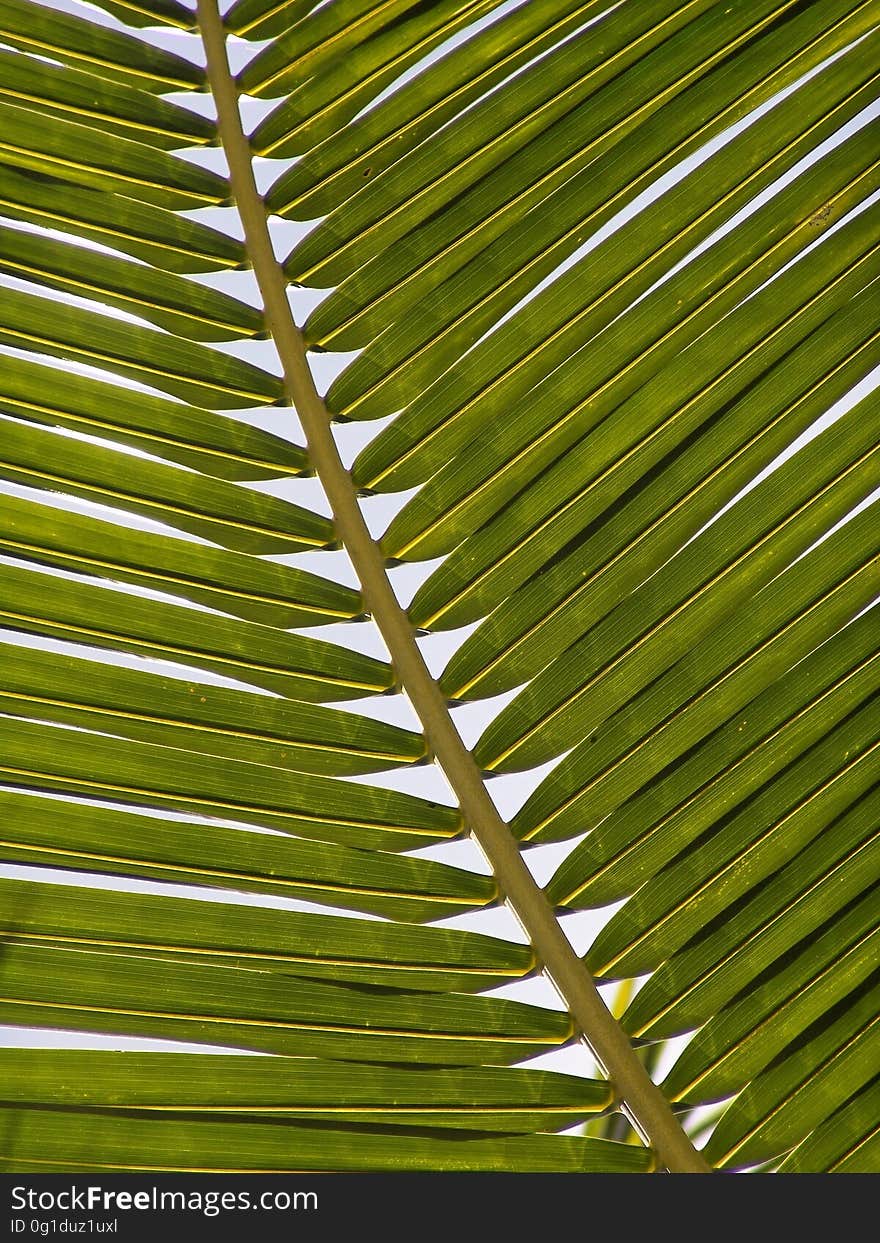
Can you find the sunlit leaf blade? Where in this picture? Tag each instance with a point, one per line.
(707, 685)
(84, 990)
(722, 772)
(418, 107)
(729, 955)
(482, 279)
(50, 145)
(561, 319)
(848, 1142)
(700, 587)
(185, 369)
(183, 931)
(262, 591)
(749, 385)
(155, 234)
(831, 1063)
(44, 758)
(74, 1140)
(114, 841)
(92, 99)
(214, 509)
(343, 31)
(744, 849)
(207, 442)
(474, 145)
(291, 665)
(657, 512)
(197, 717)
(478, 1098)
(319, 107)
(75, 40)
(747, 1036)
(180, 306)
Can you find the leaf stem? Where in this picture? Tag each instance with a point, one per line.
(642, 1098)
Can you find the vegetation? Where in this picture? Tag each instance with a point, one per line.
(604, 275)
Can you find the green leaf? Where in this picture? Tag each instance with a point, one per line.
(45, 758)
(205, 441)
(634, 137)
(107, 53)
(740, 1042)
(645, 505)
(522, 352)
(417, 107)
(727, 957)
(477, 1098)
(182, 931)
(49, 145)
(710, 683)
(103, 104)
(211, 508)
(197, 717)
(723, 771)
(267, 1012)
(792, 1097)
(847, 1142)
(290, 665)
(184, 369)
(181, 306)
(261, 591)
(744, 849)
(151, 233)
(745, 373)
(112, 841)
(318, 107)
(74, 1140)
(701, 586)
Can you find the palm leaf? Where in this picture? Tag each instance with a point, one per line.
(609, 277)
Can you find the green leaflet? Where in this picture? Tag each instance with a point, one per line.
(207, 442)
(100, 102)
(708, 684)
(522, 352)
(318, 107)
(88, 837)
(475, 1098)
(745, 848)
(716, 385)
(784, 1105)
(470, 148)
(643, 505)
(701, 586)
(261, 591)
(847, 1142)
(631, 134)
(75, 1140)
(174, 243)
(181, 932)
(416, 108)
(197, 717)
(819, 882)
(741, 1041)
(290, 665)
(183, 307)
(185, 369)
(723, 771)
(168, 779)
(215, 509)
(269, 1012)
(110, 53)
(50, 145)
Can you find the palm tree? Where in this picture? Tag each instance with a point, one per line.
(612, 269)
